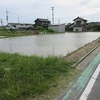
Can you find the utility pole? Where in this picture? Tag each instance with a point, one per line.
(18, 19)
(1, 22)
(58, 21)
(52, 8)
(7, 16)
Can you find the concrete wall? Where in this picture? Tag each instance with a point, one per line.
(58, 27)
(62, 28)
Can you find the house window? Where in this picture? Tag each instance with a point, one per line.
(14, 26)
(78, 22)
(43, 23)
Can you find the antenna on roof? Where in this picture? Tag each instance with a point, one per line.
(7, 17)
(58, 21)
(52, 8)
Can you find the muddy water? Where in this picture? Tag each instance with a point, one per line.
(45, 45)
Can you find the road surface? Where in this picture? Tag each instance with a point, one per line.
(88, 65)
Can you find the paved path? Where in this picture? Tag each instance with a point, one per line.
(88, 59)
(88, 65)
(95, 93)
(92, 90)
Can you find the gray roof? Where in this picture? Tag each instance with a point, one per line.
(20, 24)
(13, 23)
(79, 18)
(42, 20)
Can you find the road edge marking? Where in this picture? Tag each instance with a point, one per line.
(90, 85)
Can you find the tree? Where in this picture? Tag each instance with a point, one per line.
(69, 27)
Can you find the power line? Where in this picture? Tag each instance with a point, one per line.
(20, 15)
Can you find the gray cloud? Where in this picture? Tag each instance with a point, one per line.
(65, 10)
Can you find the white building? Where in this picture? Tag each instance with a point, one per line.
(79, 24)
(19, 26)
(58, 27)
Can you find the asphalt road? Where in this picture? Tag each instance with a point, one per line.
(75, 91)
(92, 90)
(95, 92)
(88, 59)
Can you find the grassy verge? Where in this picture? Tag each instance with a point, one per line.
(42, 30)
(79, 53)
(23, 77)
(14, 33)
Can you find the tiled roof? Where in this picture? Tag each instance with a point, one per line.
(79, 18)
(41, 19)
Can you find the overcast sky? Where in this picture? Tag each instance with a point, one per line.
(65, 10)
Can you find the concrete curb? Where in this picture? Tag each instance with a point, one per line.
(85, 56)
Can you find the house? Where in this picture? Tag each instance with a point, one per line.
(79, 24)
(57, 27)
(19, 26)
(42, 23)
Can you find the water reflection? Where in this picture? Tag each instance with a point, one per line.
(44, 45)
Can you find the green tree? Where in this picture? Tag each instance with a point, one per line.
(69, 27)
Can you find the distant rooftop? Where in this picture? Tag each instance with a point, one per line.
(20, 24)
(42, 19)
(79, 18)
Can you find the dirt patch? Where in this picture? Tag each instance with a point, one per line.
(78, 54)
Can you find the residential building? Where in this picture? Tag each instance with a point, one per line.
(42, 23)
(19, 26)
(79, 24)
(57, 27)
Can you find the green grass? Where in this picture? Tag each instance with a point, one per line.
(23, 76)
(13, 33)
(99, 40)
(42, 30)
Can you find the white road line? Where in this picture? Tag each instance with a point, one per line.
(90, 85)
